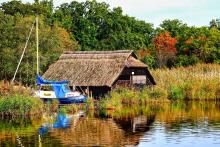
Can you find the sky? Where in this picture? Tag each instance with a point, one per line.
(192, 12)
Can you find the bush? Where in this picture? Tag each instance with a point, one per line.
(16, 105)
(129, 96)
(150, 61)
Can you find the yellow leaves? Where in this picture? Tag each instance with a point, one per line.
(66, 43)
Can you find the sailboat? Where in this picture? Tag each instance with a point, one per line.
(56, 90)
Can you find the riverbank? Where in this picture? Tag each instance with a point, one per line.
(200, 82)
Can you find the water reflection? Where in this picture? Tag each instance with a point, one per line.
(12, 131)
(134, 128)
(175, 124)
(63, 121)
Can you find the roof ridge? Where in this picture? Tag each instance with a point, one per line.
(98, 52)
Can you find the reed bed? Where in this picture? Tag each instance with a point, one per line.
(200, 82)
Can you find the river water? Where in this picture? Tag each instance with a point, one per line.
(177, 124)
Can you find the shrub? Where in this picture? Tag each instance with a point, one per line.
(63, 109)
(16, 105)
(143, 95)
(129, 96)
(150, 61)
(184, 60)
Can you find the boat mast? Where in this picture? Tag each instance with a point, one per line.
(25, 47)
(37, 40)
(26, 44)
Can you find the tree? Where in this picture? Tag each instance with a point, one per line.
(14, 30)
(95, 26)
(165, 47)
(212, 50)
(175, 27)
(44, 7)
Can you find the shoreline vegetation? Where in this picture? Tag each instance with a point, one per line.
(194, 83)
(17, 101)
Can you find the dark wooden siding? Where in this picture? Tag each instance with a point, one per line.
(125, 78)
(96, 91)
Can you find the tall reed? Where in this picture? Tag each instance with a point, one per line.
(199, 82)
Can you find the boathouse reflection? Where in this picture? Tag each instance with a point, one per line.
(104, 132)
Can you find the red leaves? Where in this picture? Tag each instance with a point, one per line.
(165, 43)
(165, 46)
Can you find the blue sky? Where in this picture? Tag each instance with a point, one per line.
(192, 12)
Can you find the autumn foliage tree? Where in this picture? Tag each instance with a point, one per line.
(165, 48)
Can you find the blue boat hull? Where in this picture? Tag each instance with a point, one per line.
(69, 100)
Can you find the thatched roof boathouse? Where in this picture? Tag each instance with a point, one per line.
(100, 70)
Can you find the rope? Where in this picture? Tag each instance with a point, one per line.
(26, 44)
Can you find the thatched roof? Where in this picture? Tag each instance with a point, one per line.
(92, 68)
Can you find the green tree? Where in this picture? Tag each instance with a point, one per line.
(44, 7)
(95, 26)
(175, 27)
(212, 52)
(14, 30)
